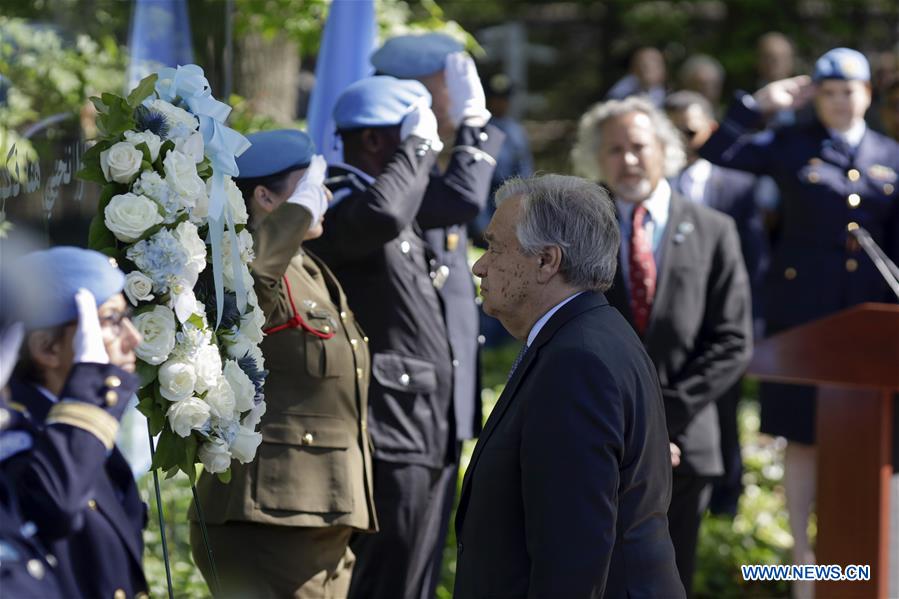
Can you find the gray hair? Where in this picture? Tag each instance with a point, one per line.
(575, 214)
(584, 155)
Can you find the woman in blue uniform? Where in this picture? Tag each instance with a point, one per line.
(835, 175)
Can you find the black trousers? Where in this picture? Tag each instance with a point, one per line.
(403, 559)
(726, 490)
(689, 499)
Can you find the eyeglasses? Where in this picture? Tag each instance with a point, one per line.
(115, 319)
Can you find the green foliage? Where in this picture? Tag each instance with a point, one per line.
(49, 77)
(243, 120)
(300, 21)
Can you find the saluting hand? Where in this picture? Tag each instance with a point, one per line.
(310, 192)
(88, 342)
(421, 122)
(468, 103)
(675, 455)
(785, 94)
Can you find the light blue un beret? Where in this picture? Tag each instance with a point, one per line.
(272, 152)
(378, 101)
(842, 63)
(46, 282)
(411, 56)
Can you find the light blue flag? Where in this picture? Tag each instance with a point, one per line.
(159, 37)
(347, 44)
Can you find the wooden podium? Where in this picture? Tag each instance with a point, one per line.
(853, 358)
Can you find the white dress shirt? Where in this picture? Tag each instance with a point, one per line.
(657, 205)
(545, 318)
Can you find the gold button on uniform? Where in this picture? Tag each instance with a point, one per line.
(852, 226)
(853, 200)
(326, 329)
(112, 398)
(354, 343)
(35, 568)
(790, 273)
(814, 177)
(851, 265)
(92, 504)
(119, 594)
(112, 381)
(365, 339)
(343, 316)
(308, 439)
(359, 373)
(888, 189)
(853, 174)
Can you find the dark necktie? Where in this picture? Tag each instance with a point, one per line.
(518, 358)
(642, 267)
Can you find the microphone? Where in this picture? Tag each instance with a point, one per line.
(887, 267)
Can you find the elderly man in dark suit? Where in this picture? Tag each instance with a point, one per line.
(682, 284)
(567, 489)
(733, 193)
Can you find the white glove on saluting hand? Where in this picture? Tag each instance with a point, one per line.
(309, 192)
(466, 94)
(421, 122)
(88, 342)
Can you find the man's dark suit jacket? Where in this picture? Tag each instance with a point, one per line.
(699, 335)
(567, 490)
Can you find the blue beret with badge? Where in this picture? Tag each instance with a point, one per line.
(378, 101)
(842, 63)
(46, 282)
(272, 152)
(411, 56)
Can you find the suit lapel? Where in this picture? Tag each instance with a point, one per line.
(578, 305)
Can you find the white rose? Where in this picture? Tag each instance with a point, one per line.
(243, 388)
(129, 216)
(148, 137)
(176, 380)
(187, 235)
(245, 444)
(191, 146)
(251, 420)
(251, 325)
(181, 175)
(214, 455)
(121, 162)
(245, 246)
(157, 327)
(220, 398)
(236, 202)
(208, 364)
(228, 273)
(188, 415)
(138, 287)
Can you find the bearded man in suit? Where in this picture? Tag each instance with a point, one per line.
(568, 486)
(682, 285)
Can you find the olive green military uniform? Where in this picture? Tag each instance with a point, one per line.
(281, 527)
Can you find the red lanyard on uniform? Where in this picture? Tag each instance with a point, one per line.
(297, 321)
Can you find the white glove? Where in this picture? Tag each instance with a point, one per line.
(466, 94)
(310, 192)
(88, 342)
(791, 93)
(421, 122)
